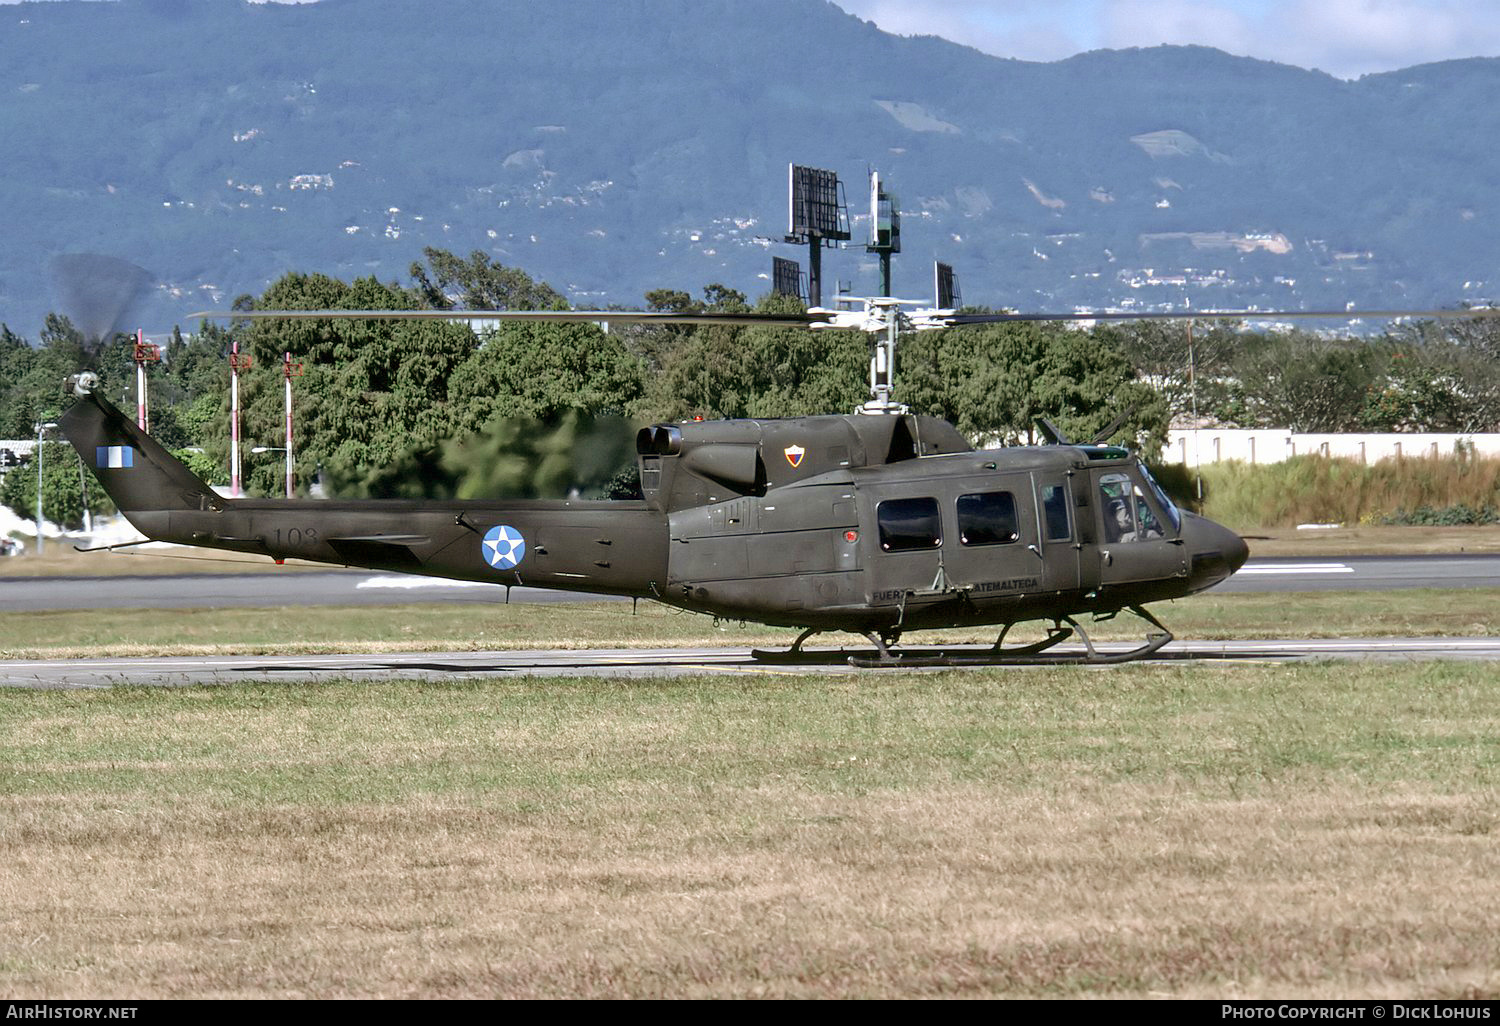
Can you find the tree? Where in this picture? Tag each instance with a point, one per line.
(671, 301)
(1189, 363)
(541, 370)
(725, 371)
(569, 454)
(479, 283)
(36, 391)
(1300, 381)
(659, 345)
(723, 299)
(370, 391)
(1441, 376)
(16, 356)
(721, 371)
(994, 382)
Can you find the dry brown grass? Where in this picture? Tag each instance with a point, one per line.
(1118, 890)
(1319, 489)
(1372, 541)
(1228, 831)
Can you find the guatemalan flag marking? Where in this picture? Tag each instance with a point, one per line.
(503, 547)
(114, 456)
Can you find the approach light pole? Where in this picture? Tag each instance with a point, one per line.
(237, 363)
(145, 352)
(279, 448)
(291, 370)
(41, 429)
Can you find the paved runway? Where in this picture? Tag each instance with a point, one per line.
(1367, 573)
(180, 671)
(224, 591)
(359, 587)
(363, 588)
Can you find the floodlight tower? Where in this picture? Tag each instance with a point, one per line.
(817, 218)
(885, 229)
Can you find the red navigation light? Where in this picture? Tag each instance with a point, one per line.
(851, 536)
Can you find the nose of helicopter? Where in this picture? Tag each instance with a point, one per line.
(1215, 551)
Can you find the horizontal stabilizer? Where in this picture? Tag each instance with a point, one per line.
(392, 551)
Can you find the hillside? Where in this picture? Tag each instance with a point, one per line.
(615, 146)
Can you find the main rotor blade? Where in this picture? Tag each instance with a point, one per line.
(819, 318)
(791, 320)
(1225, 315)
(96, 291)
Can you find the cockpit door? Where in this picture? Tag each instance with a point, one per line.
(1138, 536)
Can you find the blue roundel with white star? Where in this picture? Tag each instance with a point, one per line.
(504, 548)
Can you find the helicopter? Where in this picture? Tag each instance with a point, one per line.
(876, 522)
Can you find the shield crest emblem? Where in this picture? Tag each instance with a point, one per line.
(794, 454)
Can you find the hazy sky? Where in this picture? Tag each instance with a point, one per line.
(1346, 38)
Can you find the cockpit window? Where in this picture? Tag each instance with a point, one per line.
(1127, 515)
(1161, 497)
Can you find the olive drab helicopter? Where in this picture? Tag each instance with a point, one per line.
(877, 522)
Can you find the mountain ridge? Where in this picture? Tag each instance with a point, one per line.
(615, 147)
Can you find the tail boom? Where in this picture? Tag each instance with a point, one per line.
(601, 547)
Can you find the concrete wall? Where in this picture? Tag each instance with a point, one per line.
(1219, 445)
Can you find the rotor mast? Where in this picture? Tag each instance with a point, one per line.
(881, 321)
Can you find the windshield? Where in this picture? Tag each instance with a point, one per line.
(1161, 497)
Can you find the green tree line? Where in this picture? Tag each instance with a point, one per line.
(414, 408)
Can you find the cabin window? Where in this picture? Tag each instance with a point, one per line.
(1055, 512)
(907, 524)
(988, 518)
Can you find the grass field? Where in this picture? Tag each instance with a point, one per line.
(1201, 831)
(1183, 831)
(435, 627)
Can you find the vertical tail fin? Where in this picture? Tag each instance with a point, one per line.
(137, 472)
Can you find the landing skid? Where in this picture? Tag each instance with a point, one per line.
(1034, 654)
